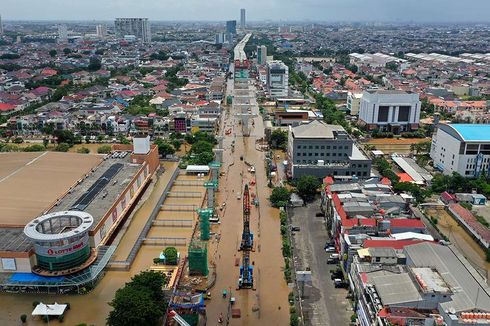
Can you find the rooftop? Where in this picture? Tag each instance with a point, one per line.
(316, 129)
(472, 132)
(31, 182)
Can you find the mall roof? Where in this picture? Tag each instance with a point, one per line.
(472, 132)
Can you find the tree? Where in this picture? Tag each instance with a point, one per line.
(140, 302)
(201, 147)
(279, 197)
(94, 64)
(104, 149)
(35, 148)
(66, 51)
(307, 186)
(64, 136)
(279, 138)
(45, 142)
(62, 147)
(203, 158)
(53, 53)
(164, 147)
(171, 255)
(23, 318)
(83, 150)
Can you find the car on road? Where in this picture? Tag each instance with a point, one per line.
(329, 249)
(340, 284)
(329, 244)
(295, 228)
(319, 214)
(332, 261)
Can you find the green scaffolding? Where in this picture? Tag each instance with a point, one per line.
(204, 216)
(198, 258)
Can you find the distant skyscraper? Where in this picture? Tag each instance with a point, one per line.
(242, 18)
(219, 38)
(101, 31)
(1, 26)
(231, 27)
(139, 27)
(261, 54)
(62, 34)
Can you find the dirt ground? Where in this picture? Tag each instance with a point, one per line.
(395, 145)
(30, 182)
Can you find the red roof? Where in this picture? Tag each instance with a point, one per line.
(6, 107)
(468, 217)
(395, 244)
(407, 223)
(386, 181)
(404, 177)
(328, 180)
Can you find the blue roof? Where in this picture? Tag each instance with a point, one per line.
(473, 132)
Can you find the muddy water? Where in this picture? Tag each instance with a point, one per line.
(462, 240)
(139, 219)
(267, 304)
(92, 308)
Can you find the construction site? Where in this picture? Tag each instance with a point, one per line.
(228, 267)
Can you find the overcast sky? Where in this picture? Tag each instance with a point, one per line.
(220, 10)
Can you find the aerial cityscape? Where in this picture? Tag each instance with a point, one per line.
(258, 164)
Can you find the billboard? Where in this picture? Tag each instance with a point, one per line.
(59, 251)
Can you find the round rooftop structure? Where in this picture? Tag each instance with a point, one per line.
(61, 240)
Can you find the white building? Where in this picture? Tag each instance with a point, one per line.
(62, 34)
(376, 60)
(101, 31)
(1, 26)
(277, 79)
(354, 102)
(139, 27)
(462, 148)
(390, 110)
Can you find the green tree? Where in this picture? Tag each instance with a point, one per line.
(62, 147)
(201, 146)
(64, 136)
(66, 51)
(45, 142)
(171, 255)
(104, 149)
(140, 302)
(279, 197)
(35, 148)
(94, 64)
(279, 138)
(83, 150)
(307, 186)
(203, 158)
(164, 147)
(53, 53)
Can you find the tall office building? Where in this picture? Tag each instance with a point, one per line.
(101, 31)
(261, 54)
(62, 34)
(231, 27)
(139, 27)
(219, 38)
(277, 79)
(1, 26)
(242, 18)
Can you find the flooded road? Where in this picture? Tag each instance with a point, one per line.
(268, 303)
(462, 240)
(93, 307)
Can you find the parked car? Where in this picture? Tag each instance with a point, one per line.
(329, 244)
(295, 228)
(319, 214)
(329, 249)
(340, 284)
(332, 261)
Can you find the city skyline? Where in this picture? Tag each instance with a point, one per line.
(286, 10)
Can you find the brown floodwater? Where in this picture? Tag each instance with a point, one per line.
(462, 240)
(268, 303)
(92, 308)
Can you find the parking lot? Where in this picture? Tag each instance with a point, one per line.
(323, 304)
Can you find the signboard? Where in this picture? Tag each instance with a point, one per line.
(8, 264)
(61, 250)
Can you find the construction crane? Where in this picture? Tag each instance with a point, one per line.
(245, 280)
(247, 236)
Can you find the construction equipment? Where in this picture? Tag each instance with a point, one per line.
(247, 236)
(245, 280)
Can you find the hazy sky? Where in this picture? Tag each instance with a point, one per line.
(219, 10)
